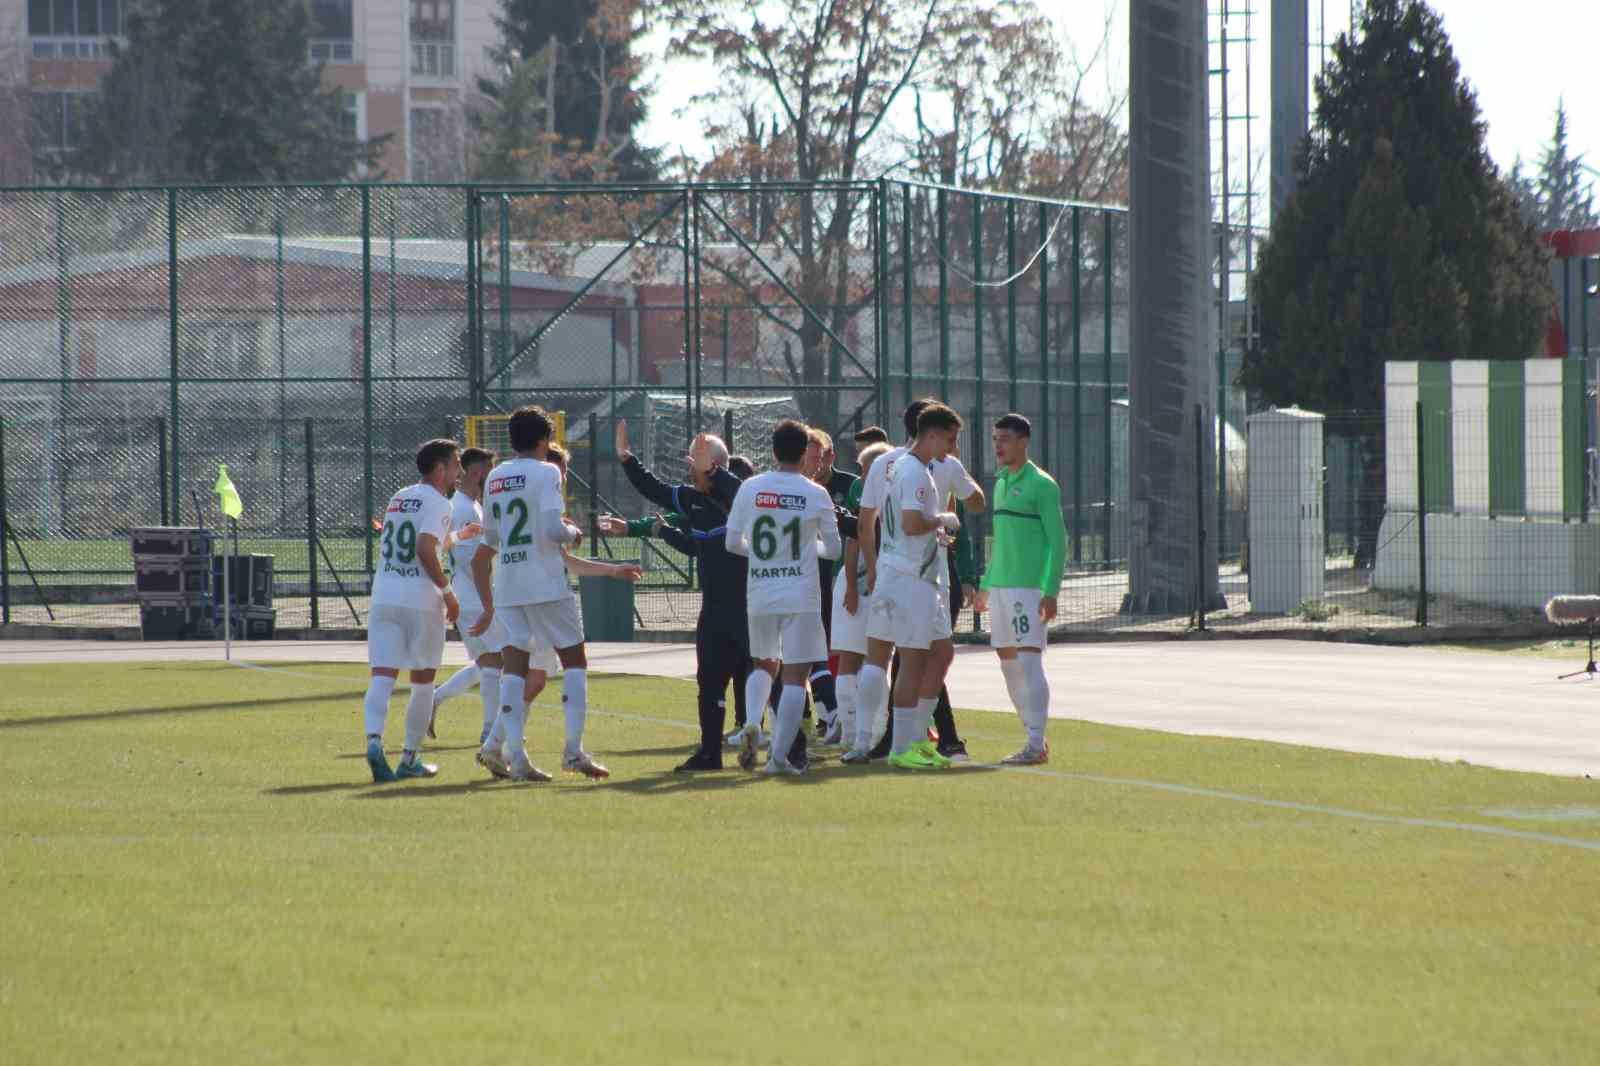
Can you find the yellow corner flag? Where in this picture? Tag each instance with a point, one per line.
(227, 495)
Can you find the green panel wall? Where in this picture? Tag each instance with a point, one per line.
(1433, 392)
(1508, 419)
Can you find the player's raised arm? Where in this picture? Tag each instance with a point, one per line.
(828, 543)
(737, 537)
(555, 528)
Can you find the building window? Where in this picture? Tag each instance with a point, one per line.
(58, 121)
(332, 31)
(433, 38)
(74, 29)
(435, 139)
(221, 349)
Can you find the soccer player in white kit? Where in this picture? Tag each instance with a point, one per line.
(530, 593)
(951, 480)
(849, 637)
(782, 521)
(411, 605)
(466, 513)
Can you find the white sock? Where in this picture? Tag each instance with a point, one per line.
(925, 716)
(757, 690)
(459, 683)
(376, 705)
(1038, 698)
(872, 694)
(905, 730)
(489, 692)
(419, 708)
(575, 706)
(513, 712)
(791, 710)
(844, 688)
(1016, 687)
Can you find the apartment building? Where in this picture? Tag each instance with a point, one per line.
(406, 67)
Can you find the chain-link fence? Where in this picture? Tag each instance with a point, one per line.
(148, 334)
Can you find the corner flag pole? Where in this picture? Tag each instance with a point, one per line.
(230, 504)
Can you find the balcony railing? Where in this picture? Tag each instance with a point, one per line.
(72, 47)
(333, 50)
(431, 59)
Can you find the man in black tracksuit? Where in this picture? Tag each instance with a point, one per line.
(722, 633)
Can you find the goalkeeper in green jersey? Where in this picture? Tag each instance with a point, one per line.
(1023, 577)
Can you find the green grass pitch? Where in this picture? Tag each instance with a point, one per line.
(196, 869)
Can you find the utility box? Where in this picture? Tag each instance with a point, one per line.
(607, 609)
(1287, 537)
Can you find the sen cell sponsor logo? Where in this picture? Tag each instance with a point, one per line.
(780, 501)
(405, 506)
(508, 483)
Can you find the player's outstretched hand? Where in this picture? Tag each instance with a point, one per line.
(612, 526)
(577, 535)
(481, 626)
(627, 572)
(1047, 608)
(980, 599)
(620, 439)
(468, 531)
(452, 608)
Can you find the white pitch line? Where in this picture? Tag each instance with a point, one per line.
(1134, 782)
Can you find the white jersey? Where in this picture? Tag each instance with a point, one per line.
(781, 515)
(910, 489)
(464, 511)
(950, 479)
(400, 580)
(519, 495)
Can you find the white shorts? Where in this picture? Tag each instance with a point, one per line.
(907, 611)
(1014, 619)
(493, 639)
(405, 638)
(788, 638)
(849, 630)
(536, 627)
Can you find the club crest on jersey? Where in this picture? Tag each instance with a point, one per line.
(780, 501)
(404, 506)
(922, 493)
(508, 483)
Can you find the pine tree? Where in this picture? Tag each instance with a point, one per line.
(1563, 195)
(218, 91)
(565, 104)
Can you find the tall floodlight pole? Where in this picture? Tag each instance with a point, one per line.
(1172, 382)
(1291, 100)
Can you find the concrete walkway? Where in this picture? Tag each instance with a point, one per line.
(1487, 708)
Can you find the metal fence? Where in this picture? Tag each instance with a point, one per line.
(310, 336)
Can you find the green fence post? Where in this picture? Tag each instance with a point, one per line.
(506, 345)
(694, 369)
(1105, 512)
(473, 366)
(311, 526)
(880, 295)
(688, 311)
(594, 485)
(975, 523)
(283, 366)
(161, 463)
(1077, 386)
(1044, 338)
(942, 205)
(905, 288)
(1422, 521)
(366, 374)
(172, 352)
(1011, 300)
(5, 531)
(63, 298)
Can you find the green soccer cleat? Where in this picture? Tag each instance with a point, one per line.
(416, 768)
(378, 762)
(930, 750)
(917, 759)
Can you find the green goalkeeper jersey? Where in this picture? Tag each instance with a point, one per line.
(1030, 539)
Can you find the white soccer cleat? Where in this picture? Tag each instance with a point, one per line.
(491, 760)
(583, 763)
(777, 767)
(749, 737)
(1028, 756)
(523, 770)
(856, 756)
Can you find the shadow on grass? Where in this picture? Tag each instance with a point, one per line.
(422, 790)
(316, 790)
(181, 708)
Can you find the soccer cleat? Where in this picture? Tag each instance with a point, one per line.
(928, 750)
(1028, 756)
(747, 747)
(378, 762)
(918, 758)
(494, 762)
(523, 770)
(956, 753)
(583, 763)
(782, 768)
(835, 735)
(700, 760)
(415, 768)
(856, 757)
(732, 739)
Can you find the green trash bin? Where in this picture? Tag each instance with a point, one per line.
(607, 609)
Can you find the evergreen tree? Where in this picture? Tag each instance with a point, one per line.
(218, 91)
(1563, 197)
(565, 104)
(1402, 240)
